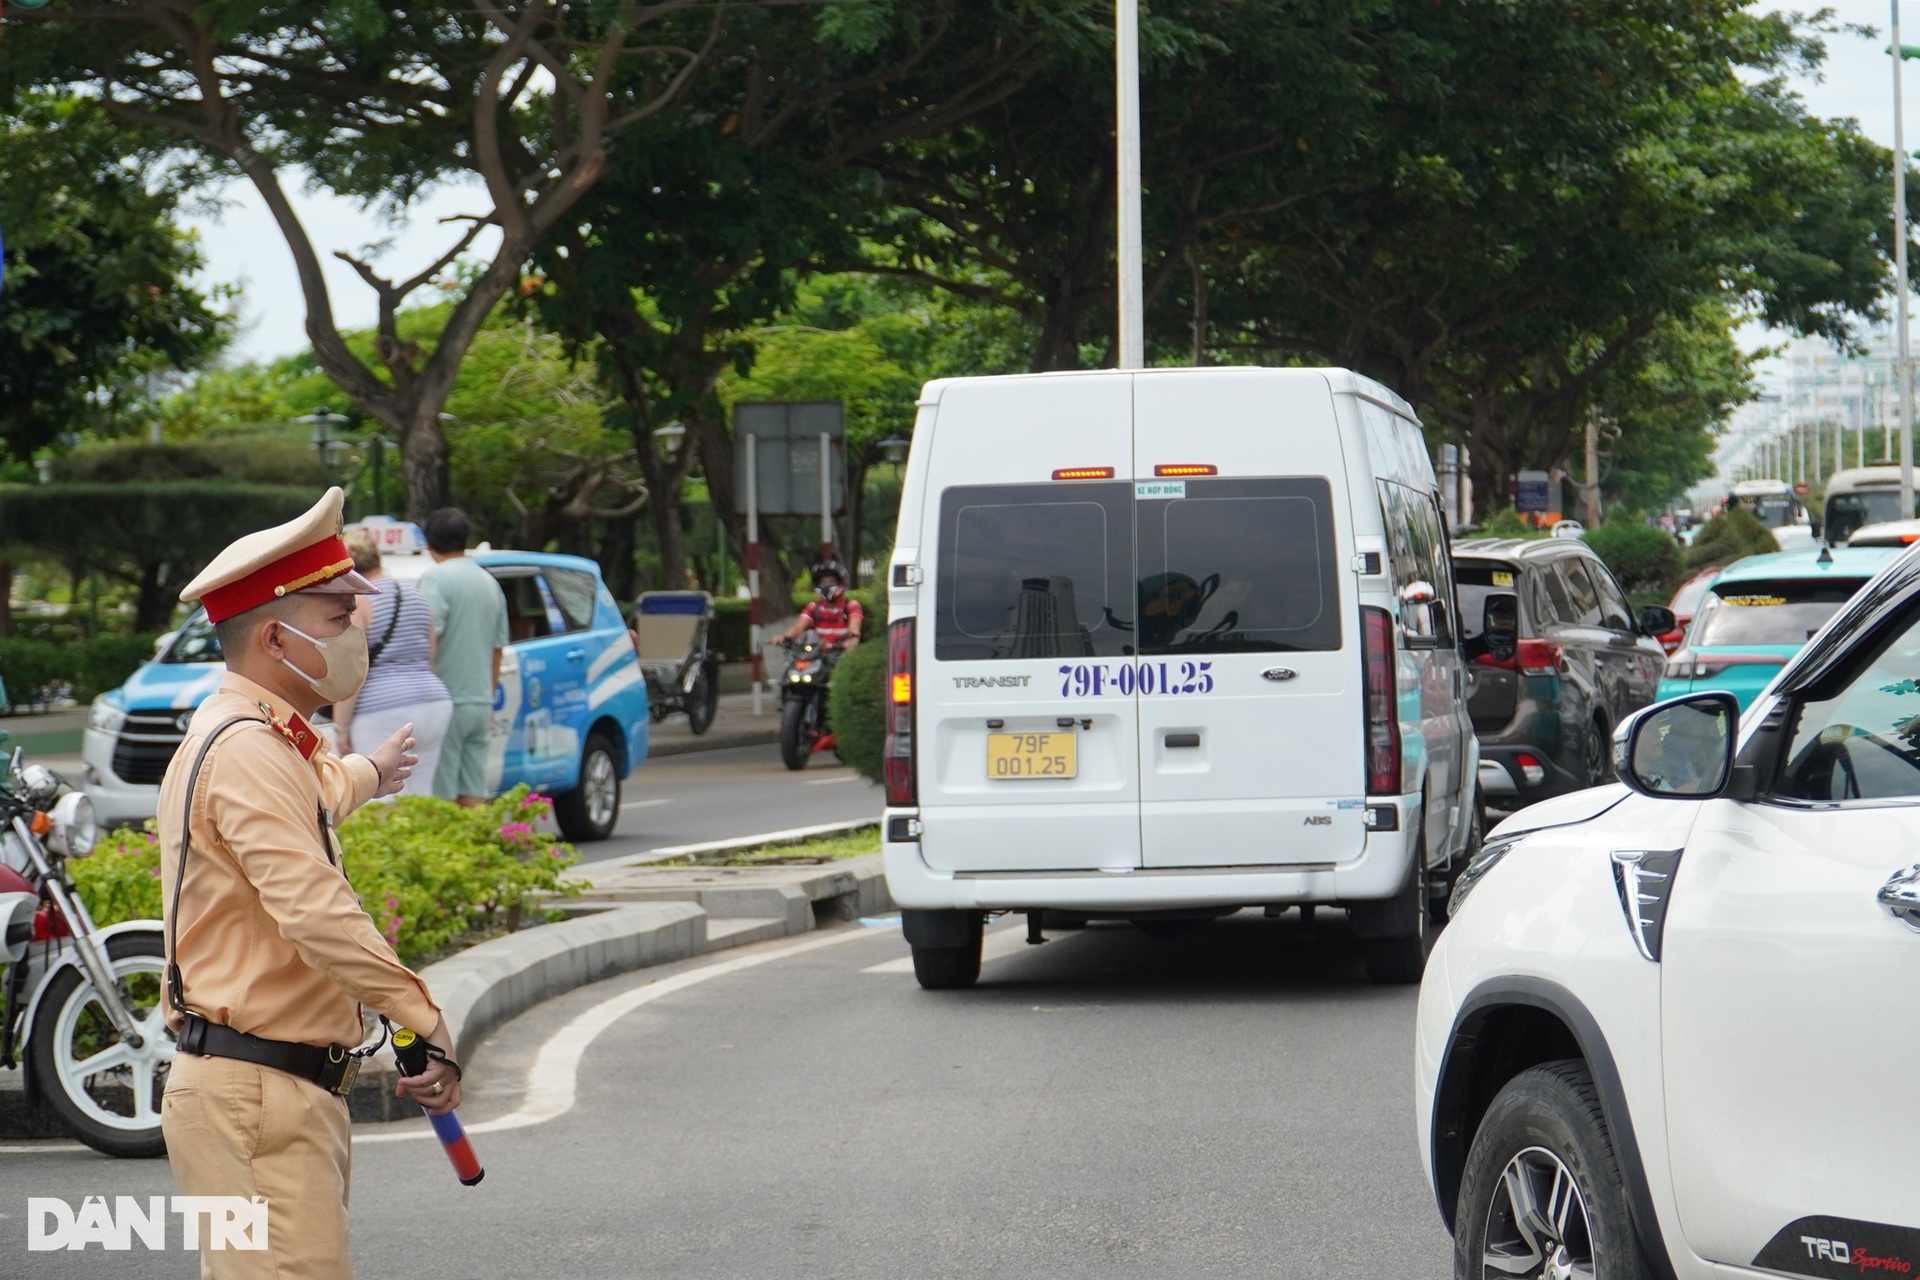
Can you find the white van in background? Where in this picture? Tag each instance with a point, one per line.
(1167, 644)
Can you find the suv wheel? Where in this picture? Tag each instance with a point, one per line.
(1596, 754)
(1542, 1193)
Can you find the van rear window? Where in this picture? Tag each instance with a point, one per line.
(1034, 571)
(1239, 566)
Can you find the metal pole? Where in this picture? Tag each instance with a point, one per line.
(1593, 469)
(1904, 372)
(753, 569)
(1126, 58)
(826, 497)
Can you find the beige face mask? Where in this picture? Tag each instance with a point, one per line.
(346, 659)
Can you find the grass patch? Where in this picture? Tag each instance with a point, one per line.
(809, 853)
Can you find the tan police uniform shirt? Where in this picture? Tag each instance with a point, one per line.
(272, 940)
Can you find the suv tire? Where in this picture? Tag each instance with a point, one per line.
(1545, 1142)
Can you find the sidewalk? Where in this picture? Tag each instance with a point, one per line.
(733, 725)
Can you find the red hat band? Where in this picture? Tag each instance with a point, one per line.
(296, 571)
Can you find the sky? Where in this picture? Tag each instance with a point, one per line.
(242, 246)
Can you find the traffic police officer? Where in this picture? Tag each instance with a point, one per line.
(270, 955)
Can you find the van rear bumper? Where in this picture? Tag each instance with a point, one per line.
(1379, 872)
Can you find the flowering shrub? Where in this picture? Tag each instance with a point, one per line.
(433, 876)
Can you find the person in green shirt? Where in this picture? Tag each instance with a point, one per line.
(470, 619)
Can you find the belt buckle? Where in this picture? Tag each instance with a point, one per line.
(349, 1068)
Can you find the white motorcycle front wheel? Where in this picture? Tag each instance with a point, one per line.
(104, 1088)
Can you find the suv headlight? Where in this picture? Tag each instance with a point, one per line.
(74, 828)
(1476, 870)
(104, 716)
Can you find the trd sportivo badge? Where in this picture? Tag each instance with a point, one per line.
(1822, 1246)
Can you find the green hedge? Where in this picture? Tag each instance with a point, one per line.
(1727, 537)
(1641, 557)
(434, 877)
(37, 672)
(856, 707)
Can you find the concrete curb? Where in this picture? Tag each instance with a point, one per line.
(489, 984)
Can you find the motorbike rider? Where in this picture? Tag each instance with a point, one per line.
(836, 616)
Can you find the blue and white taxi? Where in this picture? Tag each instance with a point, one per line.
(1670, 1030)
(569, 715)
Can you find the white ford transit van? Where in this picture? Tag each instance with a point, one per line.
(1166, 644)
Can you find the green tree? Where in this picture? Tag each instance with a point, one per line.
(96, 294)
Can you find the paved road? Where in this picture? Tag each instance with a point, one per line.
(1234, 1102)
(713, 795)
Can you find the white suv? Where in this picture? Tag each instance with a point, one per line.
(1677, 1033)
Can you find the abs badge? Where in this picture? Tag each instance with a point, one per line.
(298, 733)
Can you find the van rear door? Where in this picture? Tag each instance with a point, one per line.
(1028, 738)
(1250, 706)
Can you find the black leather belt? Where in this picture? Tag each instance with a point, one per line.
(333, 1068)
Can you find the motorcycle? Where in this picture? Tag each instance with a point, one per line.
(79, 1005)
(803, 698)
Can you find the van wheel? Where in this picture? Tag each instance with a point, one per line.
(950, 968)
(1542, 1193)
(590, 810)
(1397, 961)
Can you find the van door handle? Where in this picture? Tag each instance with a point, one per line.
(1183, 740)
(576, 655)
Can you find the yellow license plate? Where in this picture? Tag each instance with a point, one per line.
(1030, 755)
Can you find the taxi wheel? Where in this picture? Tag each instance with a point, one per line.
(1542, 1193)
(590, 810)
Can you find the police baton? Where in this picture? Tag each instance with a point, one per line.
(410, 1051)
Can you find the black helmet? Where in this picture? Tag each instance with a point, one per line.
(829, 569)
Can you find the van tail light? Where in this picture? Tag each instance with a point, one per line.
(1381, 698)
(1083, 473)
(898, 761)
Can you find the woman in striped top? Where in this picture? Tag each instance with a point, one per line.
(401, 687)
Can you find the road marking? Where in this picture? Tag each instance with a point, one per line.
(32, 1148)
(552, 1081)
(998, 944)
(642, 804)
(827, 782)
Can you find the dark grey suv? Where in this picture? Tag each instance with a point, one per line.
(1555, 660)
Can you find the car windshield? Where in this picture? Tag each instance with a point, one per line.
(1686, 601)
(197, 642)
(1773, 510)
(1847, 512)
(1476, 580)
(1781, 611)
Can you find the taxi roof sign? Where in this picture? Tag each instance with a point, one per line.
(394, 537)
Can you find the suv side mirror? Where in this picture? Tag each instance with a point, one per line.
(1500, 625)
(1680, 750)
(1656, 620)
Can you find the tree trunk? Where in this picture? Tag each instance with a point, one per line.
(423, 460)
(6, 598)
(616, 556)
(153, 607)
(663, 508)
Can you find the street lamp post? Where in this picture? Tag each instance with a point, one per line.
(1131, 346)
(1903, 370)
